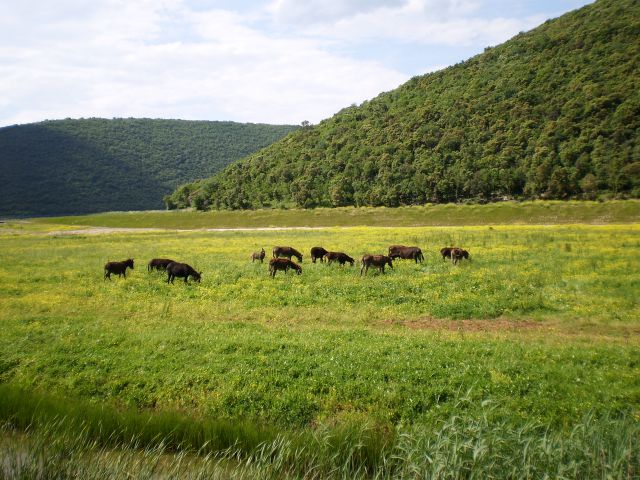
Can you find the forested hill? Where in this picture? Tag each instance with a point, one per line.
(551, 113)
(93, 165)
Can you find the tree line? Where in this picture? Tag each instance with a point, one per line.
(92, 165)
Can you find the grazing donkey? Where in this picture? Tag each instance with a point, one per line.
(158, 264)
(412, 253)
(339, 257)
(175, 269)
(283, 264)
(258, 256)
(394, 249)
(318, 253)
(287, 252)
(117, 268)
(458, 254)
(378, 261)
(446, 252)
(454, 253)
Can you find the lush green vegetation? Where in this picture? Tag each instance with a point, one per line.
(538, 212)
(552, 113)
(91, 446)
(94, 165)
(524, 359)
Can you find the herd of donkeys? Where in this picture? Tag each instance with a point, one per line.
(282, 261)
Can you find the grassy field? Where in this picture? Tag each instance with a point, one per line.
(525, 213)
(536, 339)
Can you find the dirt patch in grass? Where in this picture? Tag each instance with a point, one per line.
(108, 230)
(496, 325)
(102, 231)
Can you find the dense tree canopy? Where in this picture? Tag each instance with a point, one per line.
(552, 113)
(93, 165)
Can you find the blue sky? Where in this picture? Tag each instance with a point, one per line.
(272, 61)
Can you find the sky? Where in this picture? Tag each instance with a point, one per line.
(260, 61)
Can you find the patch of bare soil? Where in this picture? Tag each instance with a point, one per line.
(107, 230)
(496, 325)
(102, 230)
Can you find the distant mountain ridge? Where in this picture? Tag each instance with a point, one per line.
(93, 165)
(551, 113)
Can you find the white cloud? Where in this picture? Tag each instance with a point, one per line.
(427, 22)
(321, 11)
(115, 64)
(275, 63)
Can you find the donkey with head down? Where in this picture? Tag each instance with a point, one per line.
(339, 257)
(378, 261)
(454, 253)
(411, 253)
(458, 254)
(283, 264)
(287, 252)
(175, 269)
(446, 252)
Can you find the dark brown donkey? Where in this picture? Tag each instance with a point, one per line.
(258, 256)
(287, 252)
(458, 254)
(407, 253)
(339, 257)
(447, 252)
(318, 253)
(180, 270)
(283, 264)
(378, 261)
(117, 268)
(394, 249)
(159, 264)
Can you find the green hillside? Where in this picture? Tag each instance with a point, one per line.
(93, 165)
(552, 113)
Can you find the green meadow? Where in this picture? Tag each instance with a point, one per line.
(524, 359)
(525, 213)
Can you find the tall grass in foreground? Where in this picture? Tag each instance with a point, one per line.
(109, 428)
(460, 448)
(78, 440)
